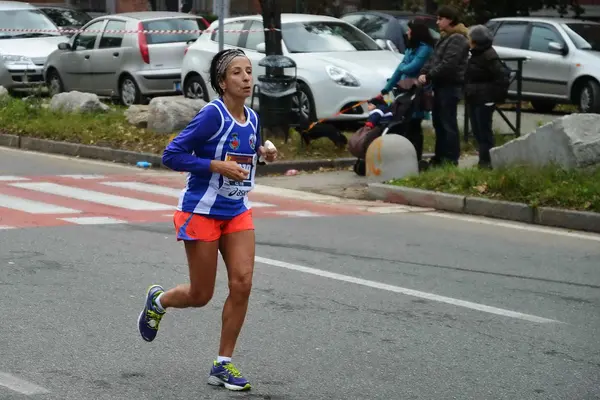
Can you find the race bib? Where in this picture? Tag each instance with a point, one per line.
(238, 189)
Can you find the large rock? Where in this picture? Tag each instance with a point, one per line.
(170, 114)
(77, 102)
(572, 141)
(137, 115)
(390, 157)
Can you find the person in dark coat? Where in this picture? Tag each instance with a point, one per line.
(445, 70)
(486, 83)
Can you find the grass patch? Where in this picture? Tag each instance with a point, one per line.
(538, 187)
(31, 117)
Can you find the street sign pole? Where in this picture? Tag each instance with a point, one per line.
(221, 24)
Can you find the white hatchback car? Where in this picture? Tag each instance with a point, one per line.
(337, 64)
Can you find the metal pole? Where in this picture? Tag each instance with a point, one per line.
(221, 24)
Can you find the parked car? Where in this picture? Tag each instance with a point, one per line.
(22, 53)
(563, 59)
(131, 66)
(384, 26)
(67, 18)
(337, 64)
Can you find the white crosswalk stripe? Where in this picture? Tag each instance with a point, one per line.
(12, 178)
(82, 176)
(94, 196)
(94, 220)
(33, 207)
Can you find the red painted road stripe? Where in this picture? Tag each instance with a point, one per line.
(19, 219)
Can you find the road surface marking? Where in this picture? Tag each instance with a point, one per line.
(3, 227)
(11, 178)
(516, 225)
(94, 197)
(401, 290)
(33, 207)
(163, 190)
(94, 220)
(83, 176)
(19, 385)
(299, 213)
(145, 187)
(320, 198)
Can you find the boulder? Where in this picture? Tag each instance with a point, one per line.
(173, 113)
(390, 157)
(3, 91)
(137, 115)
(75, 101)
(572, 141)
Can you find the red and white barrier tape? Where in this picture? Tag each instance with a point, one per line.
(157, 31)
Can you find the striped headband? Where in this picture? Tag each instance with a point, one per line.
(225, 60)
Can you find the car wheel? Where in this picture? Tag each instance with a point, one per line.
(55, 84)
(304, 103)
(589, 97)
(129, 92)
(194, 88)
(543, 106)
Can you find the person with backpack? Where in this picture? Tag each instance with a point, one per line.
(486, 83)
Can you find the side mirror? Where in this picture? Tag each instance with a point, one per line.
(261, 47)
(64, 46)
(557, 47)
(390, 45)
(382, 44)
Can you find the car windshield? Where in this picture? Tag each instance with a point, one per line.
(585, 36)
(175, 24)
(65, 17)
(21, 20)
(325, 37)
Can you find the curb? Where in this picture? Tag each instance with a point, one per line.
(519, 212)
(132, 157)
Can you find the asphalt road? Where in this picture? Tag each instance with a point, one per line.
(495, 311)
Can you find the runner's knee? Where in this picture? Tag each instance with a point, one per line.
(241, 286)
(200, 298)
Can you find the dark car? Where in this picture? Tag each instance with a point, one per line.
(389, 25)
(65, 17)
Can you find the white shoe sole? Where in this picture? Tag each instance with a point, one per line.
(214, 381)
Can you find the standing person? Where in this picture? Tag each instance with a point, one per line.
(487, 83)
(418, 50)
(445, 70)
(219, 150)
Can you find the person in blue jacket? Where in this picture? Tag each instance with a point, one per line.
(418, 50)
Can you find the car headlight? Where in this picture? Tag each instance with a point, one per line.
(341, 76)
(16, 60)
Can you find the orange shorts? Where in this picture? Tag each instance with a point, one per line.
(189, 226)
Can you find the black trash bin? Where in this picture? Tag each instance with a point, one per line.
(276, 91)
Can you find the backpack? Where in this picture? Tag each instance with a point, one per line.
(506, 79)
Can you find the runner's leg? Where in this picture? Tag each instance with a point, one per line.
(238, 253)
(202, 262)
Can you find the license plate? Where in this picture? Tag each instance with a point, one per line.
(177, 86)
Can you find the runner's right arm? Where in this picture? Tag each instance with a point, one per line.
(178, 154)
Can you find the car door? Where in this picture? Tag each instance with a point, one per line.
(509, 42)
(75, 66)
(108, 58)
(549, 69)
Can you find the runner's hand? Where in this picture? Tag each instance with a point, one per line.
(229, 169)
(270, 155)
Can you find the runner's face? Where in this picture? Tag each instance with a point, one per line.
(238, 79)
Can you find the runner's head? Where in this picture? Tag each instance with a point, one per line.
(231, 73)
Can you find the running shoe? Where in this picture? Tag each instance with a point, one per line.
(225, 374)
(150, 317)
